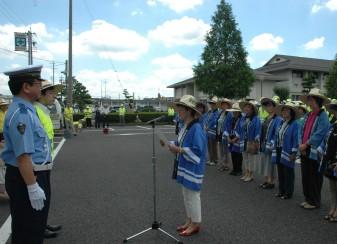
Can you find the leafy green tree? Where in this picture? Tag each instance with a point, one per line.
(308, 82)
(331, 81)
(282, 92)
(81, 96)
(223, 70)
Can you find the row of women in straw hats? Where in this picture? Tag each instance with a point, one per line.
(3, 109)
(232, 135)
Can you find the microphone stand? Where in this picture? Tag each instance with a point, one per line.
(156, 225)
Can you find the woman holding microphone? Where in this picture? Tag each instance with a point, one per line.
(190, 151)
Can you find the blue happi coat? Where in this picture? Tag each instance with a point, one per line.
(238, 132)
(290, 143)
(191, 163)
(203, 120)
(227, 123)
(254, 129)
(320, 128)
(268, 141)
(212, 118)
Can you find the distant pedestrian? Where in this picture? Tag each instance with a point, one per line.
(211, 122)
(97, 118)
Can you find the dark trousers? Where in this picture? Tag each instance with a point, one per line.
(28, 224)
(286, 176)
(88, 122)
(105, 121)
(312, 181)
(237, 162)
(97, 122)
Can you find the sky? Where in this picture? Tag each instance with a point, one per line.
(145, 45)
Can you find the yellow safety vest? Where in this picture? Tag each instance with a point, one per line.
(68, 113)
(2, 120)
(170, 112)
(263, 114)
(121, 111)
(47, 124)
(87, 113)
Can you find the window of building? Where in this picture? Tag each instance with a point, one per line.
(297, 74)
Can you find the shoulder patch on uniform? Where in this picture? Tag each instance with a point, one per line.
(21, 128)
(23, 108)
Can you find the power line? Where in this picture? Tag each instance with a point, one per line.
(23, 54)
(109, 60)
(12, 13)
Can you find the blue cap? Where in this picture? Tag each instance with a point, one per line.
(25, 73)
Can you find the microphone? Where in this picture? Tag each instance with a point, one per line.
(155, 120)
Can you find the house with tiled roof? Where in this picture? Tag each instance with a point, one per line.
(280, 70)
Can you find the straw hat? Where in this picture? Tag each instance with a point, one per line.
(332, 106)
(252, 103)
(188, 101)
(269, 100)
(3, 102)
(315, 92)
(235, 108)
(225, 100)
(290, 106)
(47, 84)
(213, 100)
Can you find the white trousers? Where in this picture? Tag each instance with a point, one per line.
(192, 203)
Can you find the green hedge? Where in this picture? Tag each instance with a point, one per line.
(131, 117)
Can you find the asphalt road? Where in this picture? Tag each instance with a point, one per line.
(102, 192)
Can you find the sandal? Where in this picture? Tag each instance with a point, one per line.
(327, 217)
(333, 219)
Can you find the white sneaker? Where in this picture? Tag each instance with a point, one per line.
(248, 179)
(243, 177)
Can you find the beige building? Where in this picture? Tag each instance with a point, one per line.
(280, 70)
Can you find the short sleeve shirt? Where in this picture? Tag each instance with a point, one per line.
(24, 134)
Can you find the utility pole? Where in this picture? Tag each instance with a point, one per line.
(53, 72)
(70, 59)
(30, 47)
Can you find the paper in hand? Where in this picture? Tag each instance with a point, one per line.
(162, 137)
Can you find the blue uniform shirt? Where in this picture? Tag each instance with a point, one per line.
(24, 134)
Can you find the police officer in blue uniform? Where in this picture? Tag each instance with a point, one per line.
(27, 155)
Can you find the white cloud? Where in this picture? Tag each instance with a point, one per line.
(136, 12)
(315, 8)
(315, 43)
(7, 38)
(151, 2)
(166, 70)
(184, 31)
(177, 5)
(4, 85)
(330, 4)
(250, 60)
(266, 41)
(107, 41)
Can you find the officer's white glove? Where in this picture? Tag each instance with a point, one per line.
(36, 196)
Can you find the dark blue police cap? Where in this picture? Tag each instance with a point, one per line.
(28, 73)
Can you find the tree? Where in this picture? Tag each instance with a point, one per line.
(81, 96)
(282, 92)
(308, 82)
(223, 70)
(331, 81)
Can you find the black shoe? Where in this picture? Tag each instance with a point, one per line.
(238, 173)
(232, 173)
(263, 184)
(49, 234)
(279, 195)
(54, 227)
(268, 186)
(285, 197)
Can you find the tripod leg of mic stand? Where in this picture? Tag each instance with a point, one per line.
(135, 235)
(168, 234)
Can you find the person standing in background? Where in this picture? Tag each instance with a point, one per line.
(212, 116)
(3, 110)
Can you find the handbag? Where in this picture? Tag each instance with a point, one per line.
(252, 147)
(329, 171)
(175, 169)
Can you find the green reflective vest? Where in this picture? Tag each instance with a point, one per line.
(121, 111)
(47, 124)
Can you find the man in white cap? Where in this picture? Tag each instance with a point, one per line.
(27, 155)
(47, 98)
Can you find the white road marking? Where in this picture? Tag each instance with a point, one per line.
(148, 128)
(5, 230)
